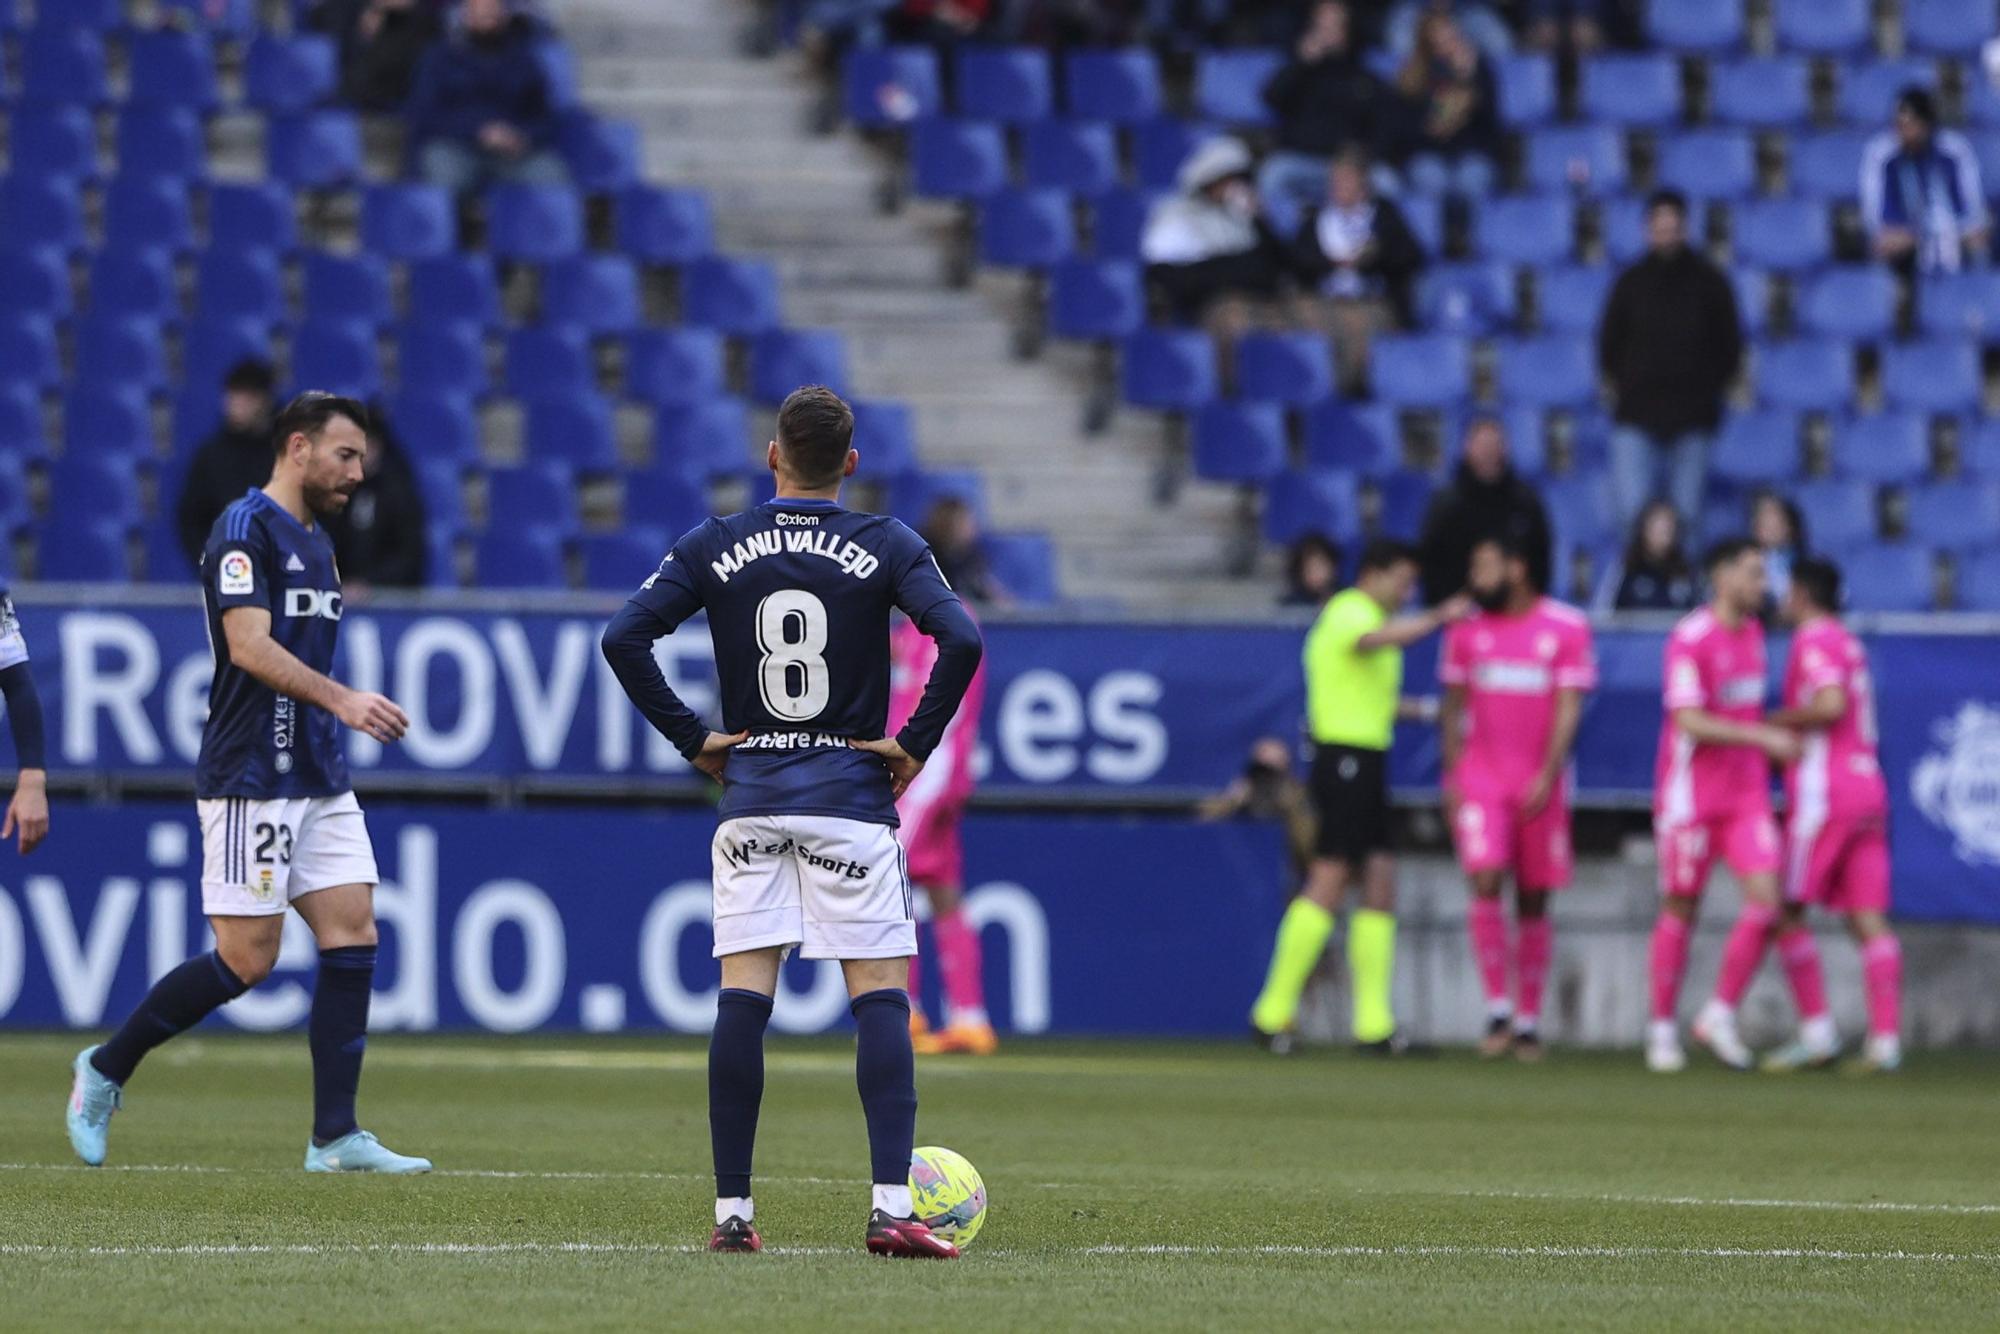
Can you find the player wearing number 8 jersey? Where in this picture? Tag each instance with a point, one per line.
(798, 593)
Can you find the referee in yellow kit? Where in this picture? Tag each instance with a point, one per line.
(1354, 682)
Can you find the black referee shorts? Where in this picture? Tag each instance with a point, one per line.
(1350, 790)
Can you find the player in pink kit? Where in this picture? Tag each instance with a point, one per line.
(1837, 841)
(1515, 677)
(931, 810)
(1712, 800)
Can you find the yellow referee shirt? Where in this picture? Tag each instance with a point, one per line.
(1351, 696)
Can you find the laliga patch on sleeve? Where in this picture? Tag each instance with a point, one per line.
(236, 574)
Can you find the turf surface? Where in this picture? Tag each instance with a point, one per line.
(1156, 1187)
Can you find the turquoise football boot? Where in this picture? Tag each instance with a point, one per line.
(92, 1100)
(361, 1152)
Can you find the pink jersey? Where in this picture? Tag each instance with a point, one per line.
(1512, 668)
(1839, 774)
(1720, 671)
(946, 780)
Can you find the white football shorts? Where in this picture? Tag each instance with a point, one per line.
(257, 856)
(835, 888)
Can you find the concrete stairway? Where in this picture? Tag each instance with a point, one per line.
(737, 127)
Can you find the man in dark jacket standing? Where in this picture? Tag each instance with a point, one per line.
(1326, 102)
(1485, 500)
(480, 112)
(229, 462)
(1669, 344)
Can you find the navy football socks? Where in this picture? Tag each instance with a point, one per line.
(177, 1002)
(736, 1086)
(885, 1070)
(337, 1032)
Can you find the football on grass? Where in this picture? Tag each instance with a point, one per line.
(950, 1197)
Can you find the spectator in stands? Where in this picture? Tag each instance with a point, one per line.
(1210, 245)
(1920, 192)
(952, 529)
(938, 22)
(234, 459)
(1655, 575)
(1485, 499)
(1361, 258)
(1573, 25)
(480, 112)
(1669, 343)
(379, 538)
(381, 43)
(1778, 526)
(1486, 29)
(1450, 112)
(1325, 101)
(1312, 572)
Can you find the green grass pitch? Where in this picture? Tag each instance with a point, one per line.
(1133, 1186)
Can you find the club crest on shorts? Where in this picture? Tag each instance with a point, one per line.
(263, 888)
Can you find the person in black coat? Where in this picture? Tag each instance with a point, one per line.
(381, 42)
(1325, 101)
(1655, 574)
(1358, 257)
(229, 462)
(379, 537)
(1485, 499)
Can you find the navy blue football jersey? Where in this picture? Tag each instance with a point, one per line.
(259, 743)
(798, 595)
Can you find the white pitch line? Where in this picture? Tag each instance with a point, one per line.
(405, 1248)
(1554, 1252)
(489, 1174)
(1736, 1202)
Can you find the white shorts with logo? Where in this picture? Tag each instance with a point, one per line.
(258, 856)
(836, 888)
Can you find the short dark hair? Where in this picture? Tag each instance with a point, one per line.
(1819, 578)
(1917, 100)
(309, 413)
(1728, 550)
(252, 375)
(1386, 553)
(1511, 547)
(1667, 197)
(815, 431)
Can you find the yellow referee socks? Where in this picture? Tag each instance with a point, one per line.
(1302, 937)
(1371, 970)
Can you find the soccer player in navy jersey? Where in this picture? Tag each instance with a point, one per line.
(279, 823)
(798, 593)
(28, 811)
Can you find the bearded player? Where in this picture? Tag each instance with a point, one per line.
(1515, 677)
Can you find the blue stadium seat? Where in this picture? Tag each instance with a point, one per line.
(603, 155)
(35, 282)
(1986, 149)
(1709, 164)
(62, 66)
(92, 552)
(1589, 158)
(1026, 229)
(1169, 369)
(1011, 85)
(1823, 27)
(1783, 234)
(1933, 375)
(1960, 305)
(347, 287)
(455, 287)
(1420, 370)
(406, 222)
(315, 150)
(1759, 446)
(114, 351)
(663, 225)
(1958, 515)
(1236, 441)
(1525, 87)
(1425, 214)
(1229, 85)
(1827, 164)
(148, 211)
(443, 359)
(1527, 429)
(1621, 224)
(20, 439)
(1765, 92)
(441, 483)
(1979, 582)
(1526, 229)
(260, 216)
(1708, 27)
(622, 560)
(558, 65)
(956, 159)
(782, 360)
(1554, 371)
(531, 495)
(283, 76)
(212, 346)
(1405, 495)
(912, 496)
(674, 365)
(79, 15)
(573, 428)
(544, 361)
(1023, 565)
(169, 68)
(1838, 513)
(161, 141)
(338, 356)
(596, 293)
(1856, 302)
(885, 435)
(1569, 298)
(1078, 156)
(165, 560)
(734, 296)
(1890, 576)
(1947, 27)
(52, 141)
(197, 411)
(96, 485)
(138, 282)
(536, 223)
(1868, 90)
(1294, 369)
(1095, 299)
(1161, 145)
(1805, 373)
(1122, 87)
(436, 425)
(1466, 299)
(667, 499)
(1582, 509)
(231, 18)
(28, 352)
(107, 419)
(1118, 221)
(1308, 502)
(1363, 439)
(889, 86)
(530, 557)
(1639, 91)
(1753, 299)
(706, 439)
(1887, 447)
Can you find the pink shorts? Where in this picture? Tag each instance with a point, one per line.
(1747, 843)
(1492, 834)
(933, 849)
(1843, 866)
